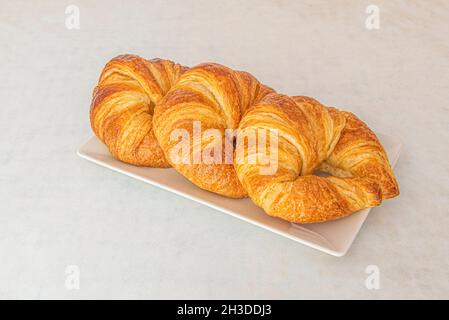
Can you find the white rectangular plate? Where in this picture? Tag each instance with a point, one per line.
(333, 237)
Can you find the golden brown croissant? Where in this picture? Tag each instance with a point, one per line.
(123, 104)
(215, 97)
(312, 137)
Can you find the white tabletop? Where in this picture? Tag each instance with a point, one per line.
(61, 216)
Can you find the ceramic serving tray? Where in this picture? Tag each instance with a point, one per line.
(333, 237)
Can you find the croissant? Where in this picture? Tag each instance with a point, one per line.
(215, 97)
(123, 104)
(314, 137)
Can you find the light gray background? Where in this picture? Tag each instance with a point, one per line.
(131, 240)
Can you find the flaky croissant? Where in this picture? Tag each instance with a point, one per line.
(216, 97)
(123, 103)
(314, 137)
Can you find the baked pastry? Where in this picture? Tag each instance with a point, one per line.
(214, 97)
(123, 104)
(313, 137)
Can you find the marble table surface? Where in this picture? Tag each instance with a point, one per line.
(71, 230)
